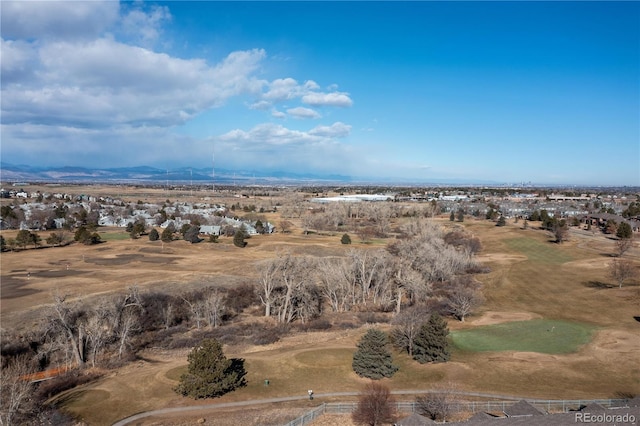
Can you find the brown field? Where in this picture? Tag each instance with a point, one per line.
(517, 288)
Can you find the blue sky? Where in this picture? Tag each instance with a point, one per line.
(546, 92)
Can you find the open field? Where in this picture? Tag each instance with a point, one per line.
(530, 279)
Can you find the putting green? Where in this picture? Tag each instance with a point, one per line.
(544, 336)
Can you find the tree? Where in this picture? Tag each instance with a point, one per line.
(440, 404)
(463, 297)
(346, 239)
(167, 234)
(210, 374)
(501, 221)
(376, 406)
(622, 270)
(407, 325)
(623, 245)
(373, 359)
(193, 234)
(624, 231)
(3, 243)
(460, 215)
(154, 235)
(239, 238)
(16, 393)
(285, 226)
(560, 231)
(431, 345)
(23, 238)
(452, 216)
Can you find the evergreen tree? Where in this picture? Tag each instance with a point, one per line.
(192, 234)
(452, 216)
(501, 222)
(238, 238)
(167, 234)
(624, 231)
(460, 215)
(431, 345)
(373, 358)
(346, 239)
(3, 243)
(153, 235)
(210, 373)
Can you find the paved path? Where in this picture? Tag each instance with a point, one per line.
(285, 399)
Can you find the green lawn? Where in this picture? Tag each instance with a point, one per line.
(544, 336)
(539, 252)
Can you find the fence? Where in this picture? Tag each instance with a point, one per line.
(550, 406)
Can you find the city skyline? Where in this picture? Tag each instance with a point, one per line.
(543, 92)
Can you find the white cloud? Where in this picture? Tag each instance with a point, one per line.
(104, 82)
(278, 114)
(273, 146)
(282, 89)
(311, 85)
(336, 130)
(56, 19)
(145, 27)
(339, 99)
(260, 105)
(302, 112)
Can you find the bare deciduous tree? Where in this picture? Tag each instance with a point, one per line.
(622, 270)
(407, 326)
(376, 406)
(16, 390)
(463, 297)
(623, 245)
(440, 404)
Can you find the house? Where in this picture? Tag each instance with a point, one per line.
(210, 230)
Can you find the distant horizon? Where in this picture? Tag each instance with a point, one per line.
(243, 177)
(544, 92)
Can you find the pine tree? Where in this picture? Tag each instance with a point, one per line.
(431, 345)
(153, 235)
(373, 359)
(346, 239)
(238, 238)
(210, 373)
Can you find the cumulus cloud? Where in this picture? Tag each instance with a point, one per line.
(278, 114)
(336, 130)
(104, 82)
(339, 99)
(284, 89)
(56, 19)
(274, 146)
(302, 112)
(261, 105)
(145, 26)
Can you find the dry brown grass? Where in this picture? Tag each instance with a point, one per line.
(516, 288)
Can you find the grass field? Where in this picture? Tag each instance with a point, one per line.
(530, 277)
(538, 252)
(538, 335)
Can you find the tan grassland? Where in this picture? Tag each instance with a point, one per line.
(516, 289)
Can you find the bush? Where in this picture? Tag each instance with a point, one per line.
(346, 239)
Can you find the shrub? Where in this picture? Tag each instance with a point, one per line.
(346, 239)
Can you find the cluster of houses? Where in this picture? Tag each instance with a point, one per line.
(112, 213)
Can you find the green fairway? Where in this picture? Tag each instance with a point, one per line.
(544, 336)
(539, 252)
